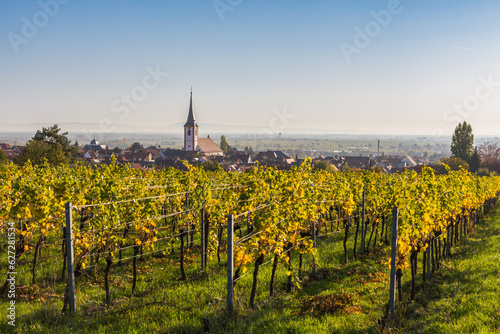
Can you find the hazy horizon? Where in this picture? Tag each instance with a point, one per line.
(80, 128)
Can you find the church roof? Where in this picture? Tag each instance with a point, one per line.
(191, 120)
(207, 145)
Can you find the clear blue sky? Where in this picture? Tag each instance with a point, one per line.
(251, 58)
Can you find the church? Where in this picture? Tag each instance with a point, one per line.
(194, 144)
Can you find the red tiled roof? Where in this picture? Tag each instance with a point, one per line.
(136, 165)
(10, 154)
(139, 156)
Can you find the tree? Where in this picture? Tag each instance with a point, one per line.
(377, 169)
(324, 165)
(211, 165)
(474, 161)
(224, 146)
(462, 141)
(137, 147)
(346, 168)
(117, 150)
(489, 154)
(3, 158)
(483, 171)
(453, 163)
(48, 144)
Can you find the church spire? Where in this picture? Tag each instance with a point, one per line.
(190, 129)
(191, 122)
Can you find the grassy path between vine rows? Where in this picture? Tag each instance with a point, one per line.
(464, 295)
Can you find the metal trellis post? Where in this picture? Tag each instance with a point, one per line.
(70, 255)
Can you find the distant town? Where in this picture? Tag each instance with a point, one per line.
(281, 152)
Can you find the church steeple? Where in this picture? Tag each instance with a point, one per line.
(191, 121)
(190, 128)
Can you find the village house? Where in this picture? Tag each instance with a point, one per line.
(10, 152)
(277, 159)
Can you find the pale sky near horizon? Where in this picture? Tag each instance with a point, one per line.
(416, 67)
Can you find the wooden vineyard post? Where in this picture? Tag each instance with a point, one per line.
(363, 222)
(448, 237)
(230, 263)
(462, 223)
(182, 233)
(92, 254)
(64, 249)
(202, 233)
(70, 255)
(347, 222)
(429, 255)
(315, 266)
(207, 234)
(465, 225)
(452, 228)
(424, 265)
(356, 218)
(394, 245)
(188, 224)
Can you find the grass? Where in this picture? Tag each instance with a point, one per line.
(462, 297)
